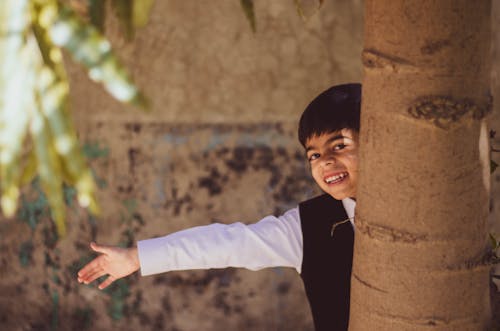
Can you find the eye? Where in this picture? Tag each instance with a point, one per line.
(338, 147)
(313, 156)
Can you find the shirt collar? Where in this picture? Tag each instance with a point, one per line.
(349, 206)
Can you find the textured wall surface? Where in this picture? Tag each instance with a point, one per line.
(219, 145)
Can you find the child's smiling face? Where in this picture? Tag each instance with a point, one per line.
(333, 158)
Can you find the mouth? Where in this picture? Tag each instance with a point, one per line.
(336, 178)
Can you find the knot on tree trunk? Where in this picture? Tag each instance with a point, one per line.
(374, 59)
(443, 111)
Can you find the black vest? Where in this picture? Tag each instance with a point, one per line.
(327, 261)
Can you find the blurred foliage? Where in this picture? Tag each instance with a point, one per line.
(33, 208)
(37, 136)
(34, 204)
(96, 13)
(83, 317)
(495, 245)
(94, 150)
(305, 9)
(118, 292)
(55, 311)
(249, 11)
(132, 14)
(25, 253)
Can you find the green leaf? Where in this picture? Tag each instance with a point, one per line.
(49, 169)
(97, 13)
(493, 166)
(29, 171)
(140, 12)
(17, 79)
(93, 50)
(305, 9)
(123, 10)
(34, 94)
(56, 145)
(493, 241)
(248, 8)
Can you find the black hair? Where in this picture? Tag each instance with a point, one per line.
(335, 109)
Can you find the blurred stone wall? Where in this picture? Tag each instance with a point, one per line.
(219, 145)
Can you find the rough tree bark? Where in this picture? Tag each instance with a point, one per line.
(421, 223)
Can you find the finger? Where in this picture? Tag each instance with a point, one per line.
(89, 268)
(106, 283)
(94, 276)
(87, 278)
(99, 248)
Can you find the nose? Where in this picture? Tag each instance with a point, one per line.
(328, 159)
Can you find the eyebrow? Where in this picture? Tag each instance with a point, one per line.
(330, 140)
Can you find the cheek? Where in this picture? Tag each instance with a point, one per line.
(351, 163)
(315, 174)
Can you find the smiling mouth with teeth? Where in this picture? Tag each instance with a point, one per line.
(336, 178)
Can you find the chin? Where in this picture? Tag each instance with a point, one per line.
(340, 195)
(337, 196)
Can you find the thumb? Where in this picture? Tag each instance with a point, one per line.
(99, 248)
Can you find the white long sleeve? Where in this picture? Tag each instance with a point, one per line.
(271, 242)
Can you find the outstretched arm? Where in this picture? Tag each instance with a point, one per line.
(271, 242)
(114, 261)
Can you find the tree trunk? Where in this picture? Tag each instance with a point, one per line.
(421, 220)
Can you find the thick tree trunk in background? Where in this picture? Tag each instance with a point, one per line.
(421, 223)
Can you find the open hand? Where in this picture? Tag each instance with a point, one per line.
(117, 262)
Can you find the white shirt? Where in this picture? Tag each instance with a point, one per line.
(271, 242)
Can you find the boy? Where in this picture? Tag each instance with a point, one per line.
(316, 238)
